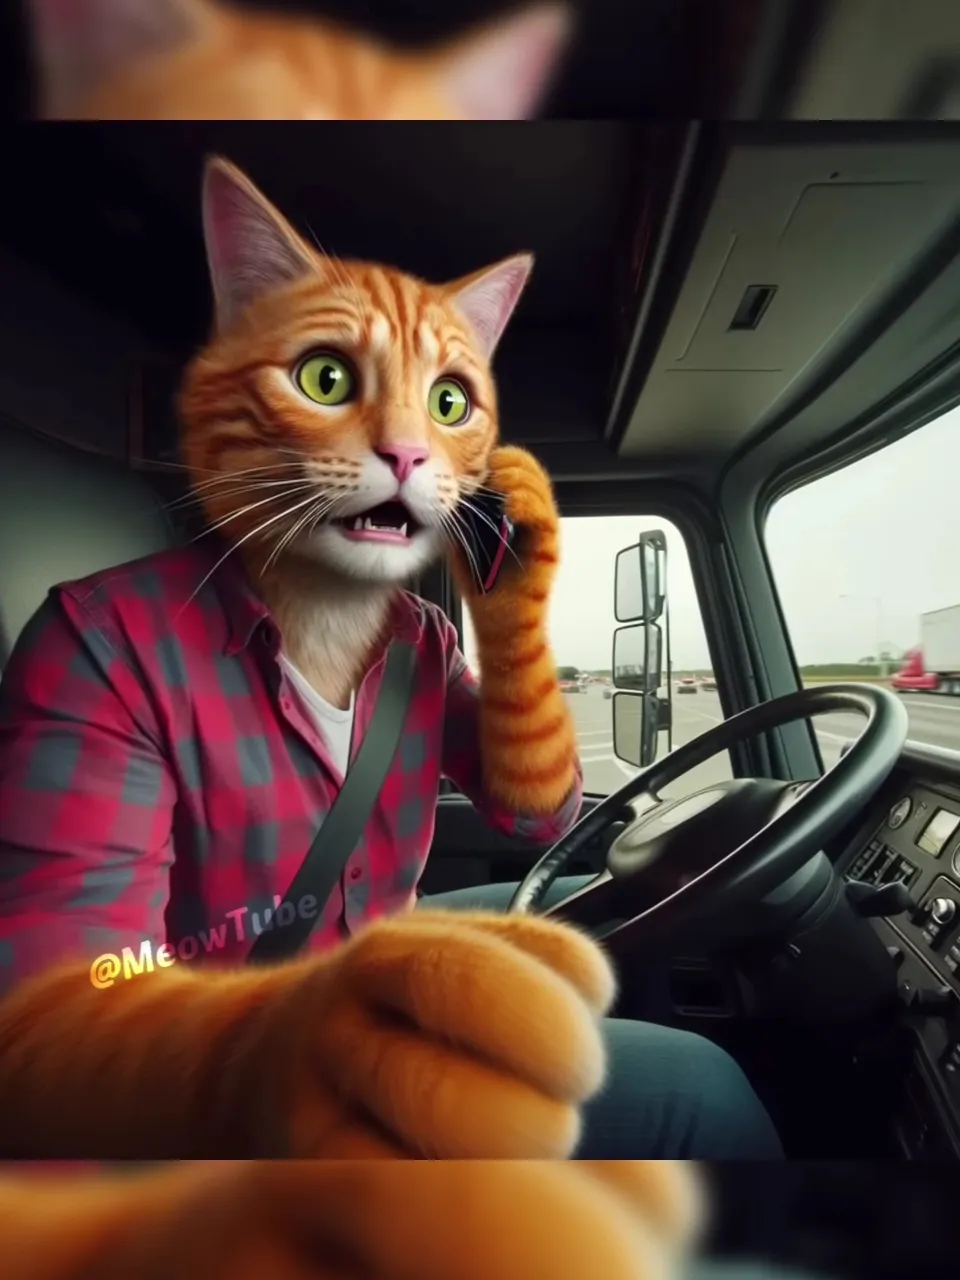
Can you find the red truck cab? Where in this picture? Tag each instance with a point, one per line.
(913, 674)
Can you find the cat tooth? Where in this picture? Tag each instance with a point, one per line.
(369, 525)
(359, 525)
(403, 530)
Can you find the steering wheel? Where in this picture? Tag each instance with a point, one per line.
(729, 844)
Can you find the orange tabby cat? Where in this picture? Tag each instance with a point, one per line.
(232, 391)
(207, 60)
(352, 1221)
(429, 1034)
(308, 1058)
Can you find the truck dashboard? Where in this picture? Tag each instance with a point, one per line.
(911, 836)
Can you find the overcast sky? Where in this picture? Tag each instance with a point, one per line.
(884, 532)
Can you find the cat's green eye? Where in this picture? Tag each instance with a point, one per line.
(326, 379)
(448, 402)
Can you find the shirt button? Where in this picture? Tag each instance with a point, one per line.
(355, 873)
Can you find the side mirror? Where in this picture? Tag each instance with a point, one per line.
(640, 579)
(638, 657)
(636, 721)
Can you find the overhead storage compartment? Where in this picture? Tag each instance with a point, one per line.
(801, 246)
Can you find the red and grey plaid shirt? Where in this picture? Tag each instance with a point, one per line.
(160, 783)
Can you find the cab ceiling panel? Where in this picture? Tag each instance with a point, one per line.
(879, 60)
(801, 246)
(113, 214)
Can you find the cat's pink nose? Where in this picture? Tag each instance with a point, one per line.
(402, 458)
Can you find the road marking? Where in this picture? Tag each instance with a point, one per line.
(933, 703)
(835, 737)
(592, 733)
(703, 715)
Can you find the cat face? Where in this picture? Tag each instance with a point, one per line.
(342, 410)
(203, 60)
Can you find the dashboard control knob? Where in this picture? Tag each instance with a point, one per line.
(942, 910)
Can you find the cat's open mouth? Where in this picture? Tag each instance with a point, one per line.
(389, 522)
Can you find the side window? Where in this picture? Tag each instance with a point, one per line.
(865, 565)
(582, 624)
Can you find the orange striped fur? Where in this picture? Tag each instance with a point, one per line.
(299, 1060)
(527, 740)
(318, 1220)
(448, 1036)
(207, 60)
(243, 416)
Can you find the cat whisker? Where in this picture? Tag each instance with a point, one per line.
(203, 488)
(482, 515)
(448, 522)
(338, 267)
(485, 491)
(260, 486)
(461, 538)
(252, 533)
(263, 470)
(311, 518)
(250, 506)
(208, 471)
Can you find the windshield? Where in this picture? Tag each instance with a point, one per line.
(865, 561)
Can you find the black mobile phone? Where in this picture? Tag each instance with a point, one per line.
(489, 535)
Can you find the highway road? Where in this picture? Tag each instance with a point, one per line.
(933, 720)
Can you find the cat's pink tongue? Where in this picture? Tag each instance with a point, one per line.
(375, 535)
(389, 522)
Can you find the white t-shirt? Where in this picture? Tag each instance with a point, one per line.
(334, 725)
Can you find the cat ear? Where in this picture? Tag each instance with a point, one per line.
(488, 298)
(251, 248)
(79, 43)
(503, 71)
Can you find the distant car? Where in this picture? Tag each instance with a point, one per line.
(608, 693)
(708, 682)
(687, 685)
(569, 686)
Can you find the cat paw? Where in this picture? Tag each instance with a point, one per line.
(669, 1196)
(530, 505)
(460, 1220)
(560, 947)
(450, 1036)
(527, 488)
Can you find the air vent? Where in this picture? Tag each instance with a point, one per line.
(756, 298)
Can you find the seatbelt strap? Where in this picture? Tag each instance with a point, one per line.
(343, 826)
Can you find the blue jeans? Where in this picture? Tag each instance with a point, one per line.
(669, 1094)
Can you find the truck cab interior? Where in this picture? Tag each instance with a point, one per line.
(721, 318)
(743, 59)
